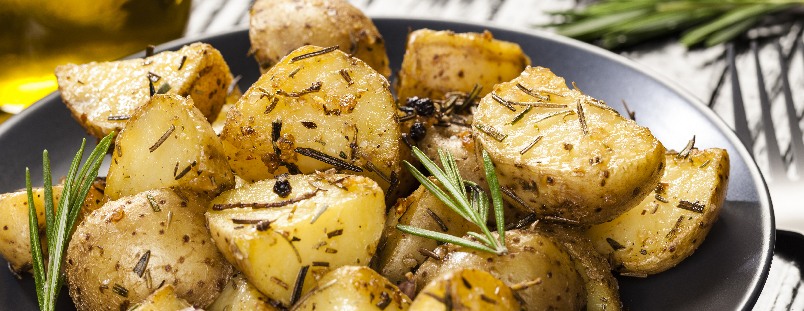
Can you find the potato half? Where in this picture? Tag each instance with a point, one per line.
(354, 288)
(102, 96)
(240, 295)
(163, 299)
(565, 154)
(473, 290)
(437, 62)
(168, 143)
(668, 225)
(316, 109)
(322, 222)
(125, 250)
(277, 27)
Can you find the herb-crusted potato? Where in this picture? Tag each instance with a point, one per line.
(536, 264)
(168, 143)
(316, 109)
(123, 251)
(437, 62)
(668, 225)
(402, 252)
(240, 295)
(354, 288)
(565, 154)
(471, 289)
(15, 238)
(102, 96)
(163, 299)
(272, 229)
(277, 27)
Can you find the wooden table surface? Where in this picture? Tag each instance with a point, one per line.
(700, 71)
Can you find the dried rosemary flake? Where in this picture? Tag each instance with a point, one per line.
(560, 219)
(120, 290)
(335, 233)
(372, 168)
(149, 50)
(662, 199)
(164, 88)
(323, 157)
(385, 300)
(488, 299)
(342, 155)
(706, 163)
(428, 253)
(314, 53)
(182, 61)
(438, 220)
(520, 115)
(305, 196)
(510, 193)
(118, 117)
(672, 233)
(162, 139)
(631, 114)
(320, 264)
(154, 205)
(186, 170)
(330, 250)
(345, 74)
(279, 282)
(526, 284)
(294, 72)
(582, 118)
(297, 287)
(501, 101)
(523, 222)
(142, 264)
(685, 153)
(691, 206)
(315, 87)
(532, 93)
(529, 146)
(153, 77)
(491, 131)
(151, 89)
(614, 244)
(309, 124)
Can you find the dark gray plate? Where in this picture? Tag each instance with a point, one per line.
(726, 273)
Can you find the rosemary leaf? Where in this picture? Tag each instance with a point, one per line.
(443, 237)
(496, 196)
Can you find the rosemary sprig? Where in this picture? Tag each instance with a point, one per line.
(616, 23)
(59, 223)
(465, 198)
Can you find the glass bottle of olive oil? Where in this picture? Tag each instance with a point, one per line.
(39, 35)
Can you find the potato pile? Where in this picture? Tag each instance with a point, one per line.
(296, 203)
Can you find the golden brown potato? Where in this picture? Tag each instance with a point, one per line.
(126, 249)
(277, 27)
(168, 143)
(354, 288)
(240, 295)
(437, 62)
(322, 222)
(673, 221)
(564, 154)
(15, 238)
(469, 288)
(163, 299)
(102, 96)
(538, 266)
(316, 109)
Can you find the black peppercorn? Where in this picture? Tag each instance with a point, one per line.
(417, 131)
(282, 186)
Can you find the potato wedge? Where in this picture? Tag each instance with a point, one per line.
(673, 221)
(163, 299)
(325, 221)
(354, 288)
(277, 27)
(437, 62)
(564, 154)
(123, 251)
(15, 238)
(102, 96)
(240, 295)
(401, 252)
(315, 111)
(168, 143)
(471, 289)
(535, 263)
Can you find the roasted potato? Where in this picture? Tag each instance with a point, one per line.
(126, 249)
(564, 154)
(668, 225)
(240, 295)
(401, 252)
(354, 288)
(470, 288)
(163, 299)
(15, 238)
(168, 143)
(277, 27)
(272, 229)
(316, 109)
(539, 266)
(437, 62)
(102, 96)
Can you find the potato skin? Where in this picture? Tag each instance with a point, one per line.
(532, 257)
(94, 92)
(586, 164)
(658, 234)
(168, 143)
(108, 245)
(354, 288)
(437, 62)
(277, 27)
(471, 289)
